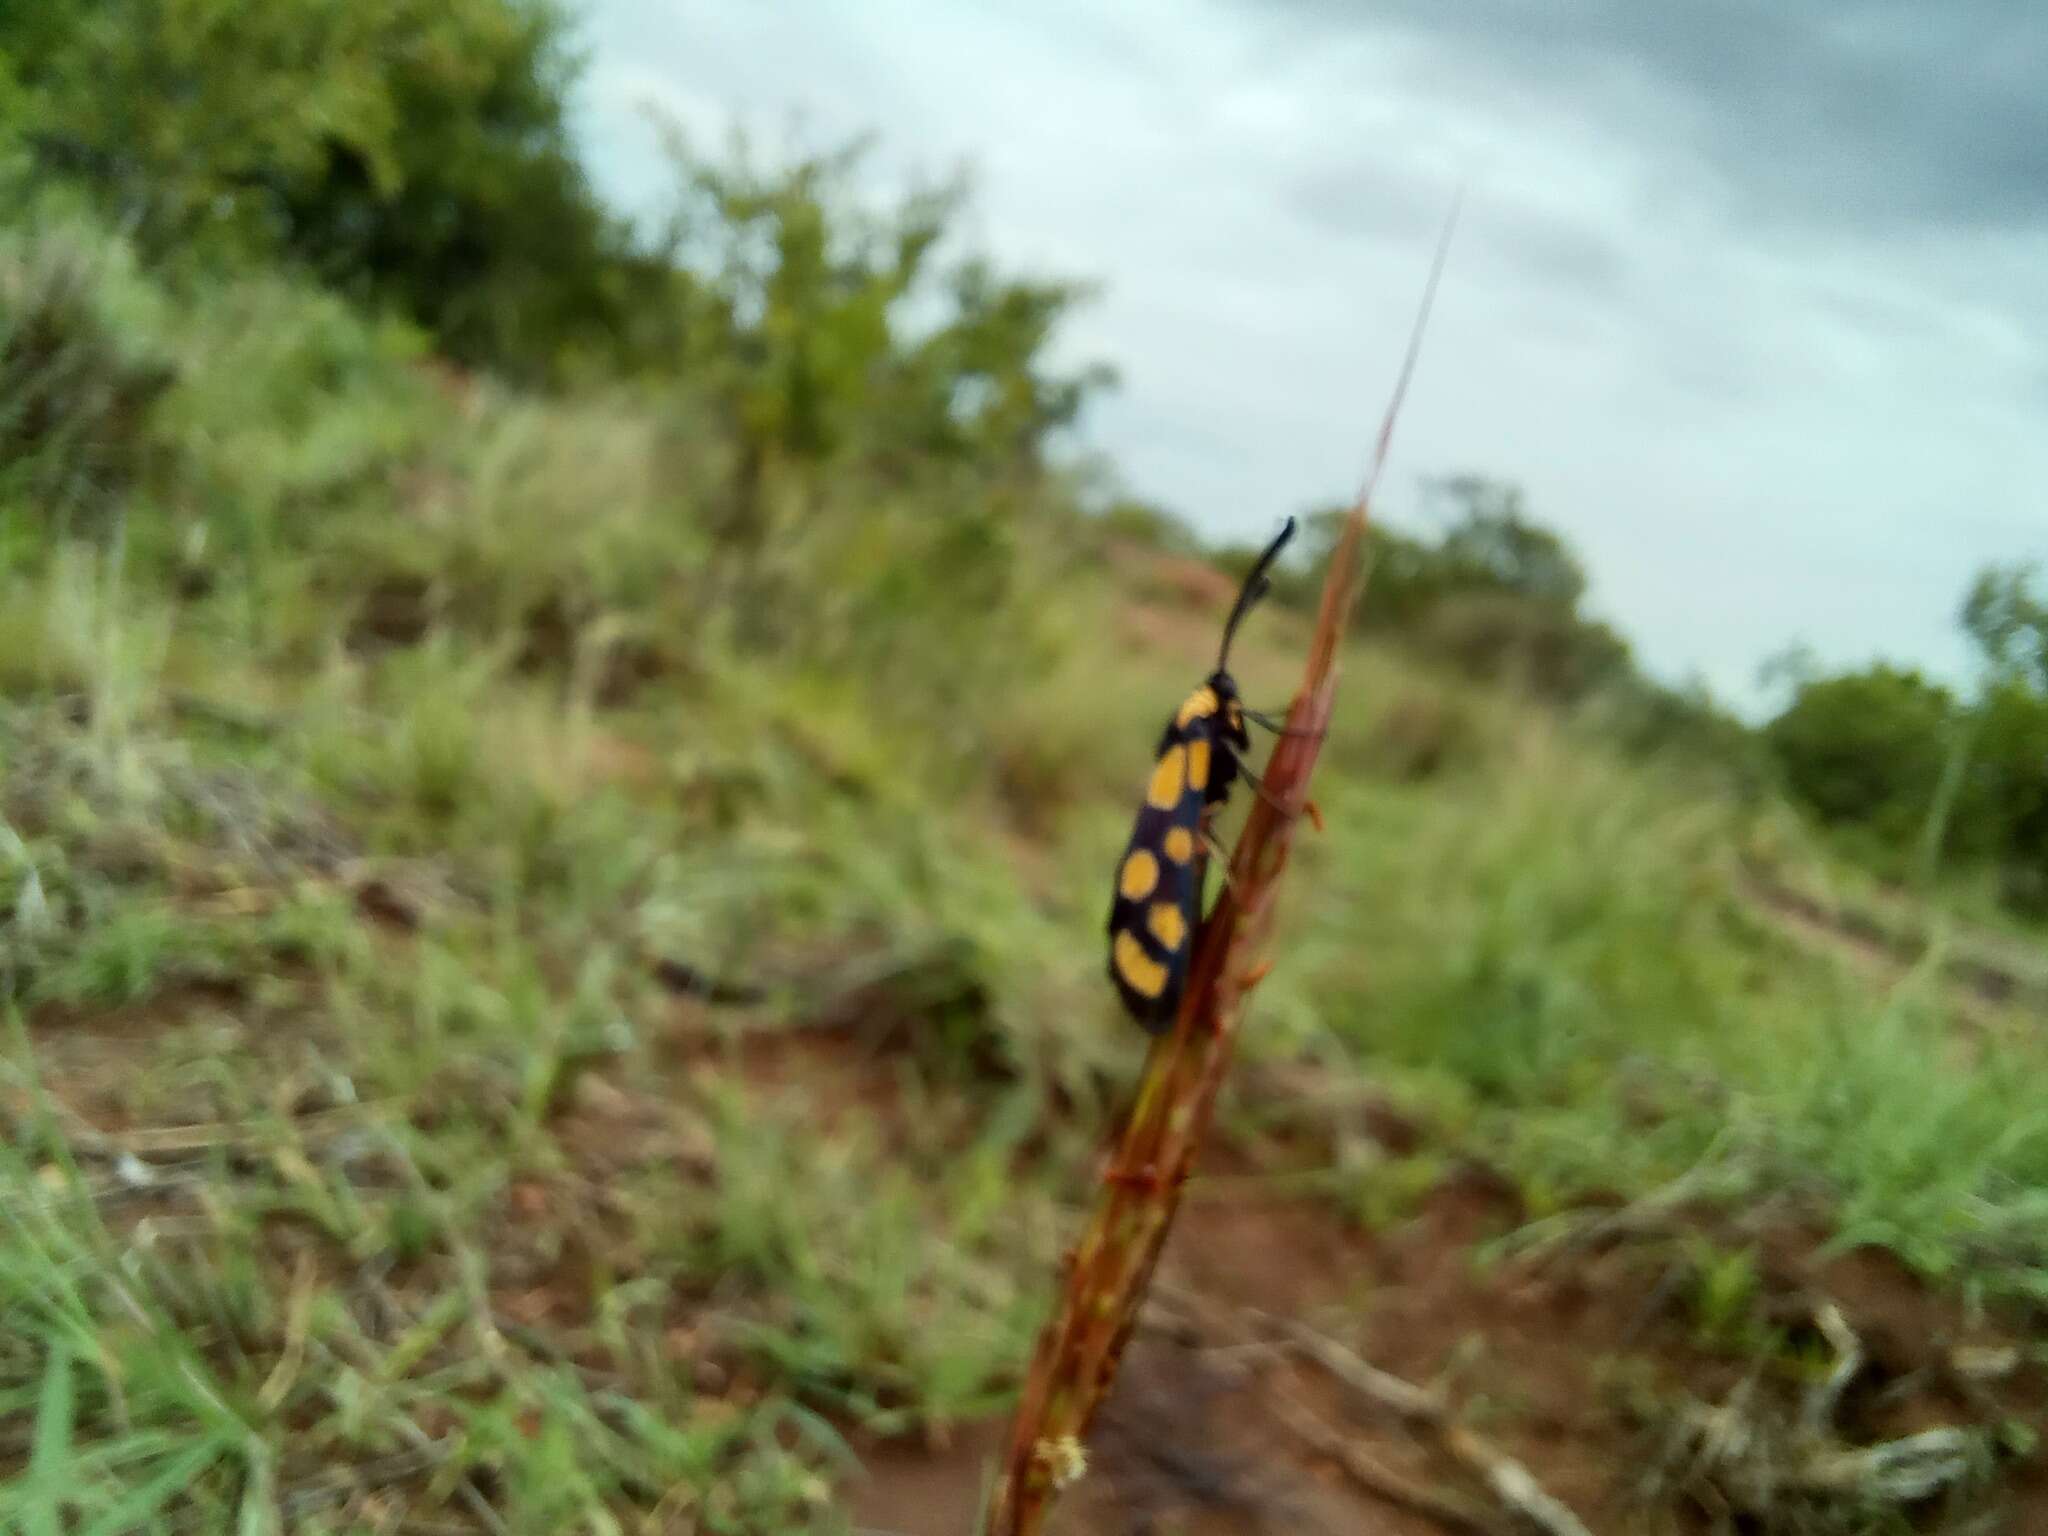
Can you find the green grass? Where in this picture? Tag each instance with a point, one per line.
(357, 1168)
(1553, 955)
(170, 1385)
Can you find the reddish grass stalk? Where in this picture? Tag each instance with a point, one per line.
(1107, 1272)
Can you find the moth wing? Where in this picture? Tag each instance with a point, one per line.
(1156, 909)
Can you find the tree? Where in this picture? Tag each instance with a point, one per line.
(1868, 750)
(2009, 774)
(412, 152)
(1906, 765)
(1494, 543)
(2008, 623)
(1496, 595)
(832, 326)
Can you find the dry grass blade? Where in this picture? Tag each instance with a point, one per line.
(298, 1319)
(1752, 1460)
(1445, 1509)
(1109, 1269)
(1507, 1479)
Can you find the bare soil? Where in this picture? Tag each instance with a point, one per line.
(1559, 1364)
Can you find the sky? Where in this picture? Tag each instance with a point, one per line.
(1748, 297)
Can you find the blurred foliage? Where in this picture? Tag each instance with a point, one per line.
(831, 328)
(414, 153)
(1492, 542)
(80, 374)
(839, 385)
(1867, 748)
(2008, 623)
(1149, 526)
(1914, 777)
(2009, 781)
(1495, 596)
(866, 396)
(1916, 774)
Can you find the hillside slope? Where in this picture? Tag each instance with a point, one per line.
(528, 1019)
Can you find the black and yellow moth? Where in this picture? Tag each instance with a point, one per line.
(1157, 908)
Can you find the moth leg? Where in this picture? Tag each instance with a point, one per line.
(1259, 718)
(1221, 855)
(1258, 787)
(1206, 845)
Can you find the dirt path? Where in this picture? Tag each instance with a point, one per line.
(1585, 1372)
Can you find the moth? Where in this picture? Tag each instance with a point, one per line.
(1157, 908)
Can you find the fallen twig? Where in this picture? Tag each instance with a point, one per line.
(1444, 1508)
(1753, 1470)
(1901, 1471)
(1819, 1410)
(338, 1484)
(1418, 1405)
(1571, 1232)
(298, 1318)
(1509, 1481)
(214, 1135)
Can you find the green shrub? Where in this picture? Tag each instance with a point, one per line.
(1548, 651)
(79, 376)
(837, 331)
(2008, 780)
(1867, 750)
(2008, 623)
(291, 406)
(1129, 520)
(414, 153)
(1687, 726)
(1495, 595)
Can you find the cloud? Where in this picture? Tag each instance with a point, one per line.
(1747, 296)
(1880, 113)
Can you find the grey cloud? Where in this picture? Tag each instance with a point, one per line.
(1566, 255)
(1871, 114)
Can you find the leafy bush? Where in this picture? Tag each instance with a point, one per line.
(78, 377)
(290, 405)
(2008, 623)
(1909, 768)
(414, 153)
(1129, 520)
(1496, 595)
(832, 332)
(1687, 727)
(1495, 544)
(1867, 749)
(1548, 651)
(2009, 787)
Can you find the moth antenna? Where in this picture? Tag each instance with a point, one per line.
(1256, 585)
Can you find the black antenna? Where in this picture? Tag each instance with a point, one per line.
(1254, 588)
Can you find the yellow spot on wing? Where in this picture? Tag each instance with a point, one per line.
(1141, 973)
(1179, 844)
(1168, 779)
(1198, 763)
(1201, 703)
(1168, 923)
(1139, 874)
